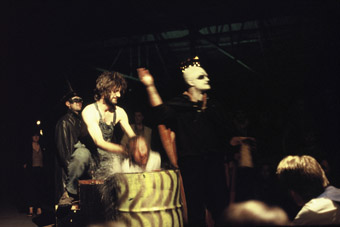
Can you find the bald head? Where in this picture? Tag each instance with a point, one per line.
(197, 77)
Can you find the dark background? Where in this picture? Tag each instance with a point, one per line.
(294, 62)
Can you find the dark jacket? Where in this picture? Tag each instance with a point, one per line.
(67, 134)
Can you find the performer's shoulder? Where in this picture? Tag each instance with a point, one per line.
(64, 118)
(89, 107)
(178, 100)
(120, 110)
(89, 110)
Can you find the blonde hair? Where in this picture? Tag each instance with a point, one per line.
(302, 174)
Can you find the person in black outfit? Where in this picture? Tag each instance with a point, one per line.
(72, 155)
(201, 138)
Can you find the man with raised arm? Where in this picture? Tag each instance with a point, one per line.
(201, 138)
(101, 117)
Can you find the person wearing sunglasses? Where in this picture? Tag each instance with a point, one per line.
(73, 157)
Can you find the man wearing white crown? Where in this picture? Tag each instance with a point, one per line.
(201, 138)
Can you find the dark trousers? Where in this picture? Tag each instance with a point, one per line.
(205, 187)
(35, 185)
(79, 163)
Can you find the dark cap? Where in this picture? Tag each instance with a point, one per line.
(69, 95)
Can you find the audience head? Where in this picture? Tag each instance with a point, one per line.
(139, 117)
(254, 213)
(302, 175)
(35, 136)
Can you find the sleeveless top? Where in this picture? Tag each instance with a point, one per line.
(107, 130)
(109, 163)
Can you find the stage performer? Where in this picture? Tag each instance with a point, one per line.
(73, 157)
(201, 136)
(101, 117)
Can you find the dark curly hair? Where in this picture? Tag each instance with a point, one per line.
(107, 82)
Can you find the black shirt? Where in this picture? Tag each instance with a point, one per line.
(198, 132)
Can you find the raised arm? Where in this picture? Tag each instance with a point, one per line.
(147, 79)
(91, 120)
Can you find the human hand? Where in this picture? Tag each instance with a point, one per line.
(145, 77)
(125, 151)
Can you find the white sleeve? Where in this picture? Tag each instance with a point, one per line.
(154, 162)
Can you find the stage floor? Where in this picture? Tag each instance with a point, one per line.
(11, 217)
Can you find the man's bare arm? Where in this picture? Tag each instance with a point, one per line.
(89, 115)
(147, 79)
(124, 122)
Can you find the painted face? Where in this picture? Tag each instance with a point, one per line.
(75, 103)
(197, 77)
(141, 153)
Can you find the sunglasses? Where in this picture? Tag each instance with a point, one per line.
(75, 100)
